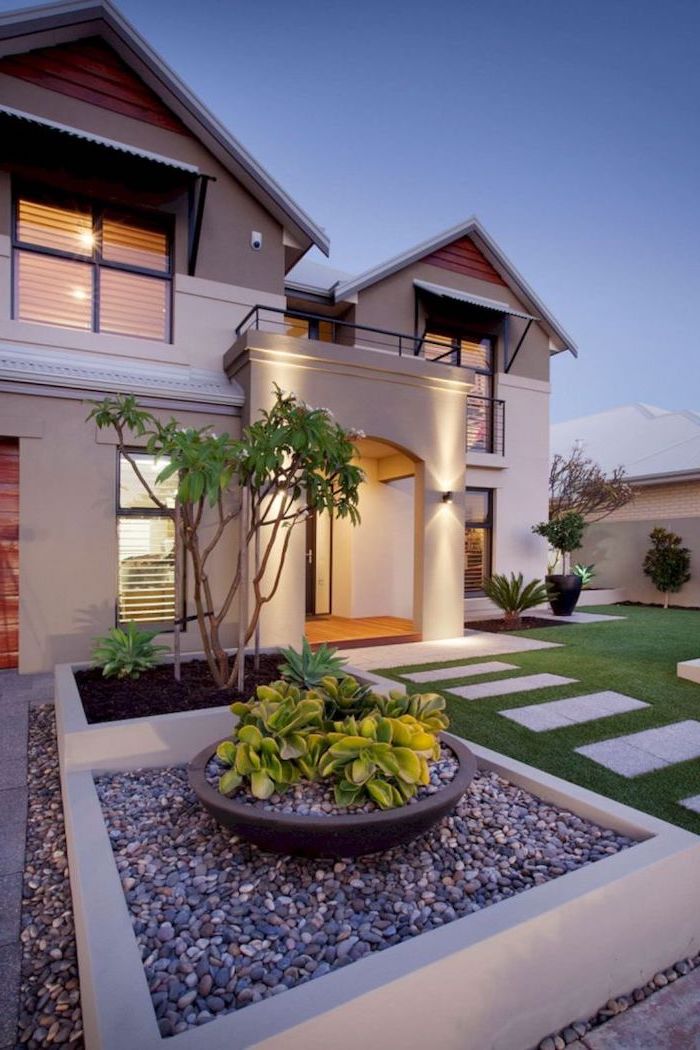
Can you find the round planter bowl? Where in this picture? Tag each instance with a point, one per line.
(564, 592)
(348, 835)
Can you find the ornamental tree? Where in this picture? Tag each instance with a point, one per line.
(292, 461)
(577, 483)
(667, 562)
(565, 534)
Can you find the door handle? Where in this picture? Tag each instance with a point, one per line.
(310, 557)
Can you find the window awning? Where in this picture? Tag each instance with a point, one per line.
(474, 300)
(99, 140)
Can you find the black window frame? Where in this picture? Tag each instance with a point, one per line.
(485, 526)
(152, 511)
(162, 222)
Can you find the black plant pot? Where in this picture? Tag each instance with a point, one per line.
(348, 835)
(563, 593)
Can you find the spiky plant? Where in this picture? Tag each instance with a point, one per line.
(307, 668)
(514, 597)
(126, 652)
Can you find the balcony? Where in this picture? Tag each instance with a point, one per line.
(486, 425)
(325, 329)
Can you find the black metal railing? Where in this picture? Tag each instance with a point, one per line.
(330, 329)
(486, 425)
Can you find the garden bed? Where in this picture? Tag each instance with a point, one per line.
(527, 623)
(157, 693)
(221, 925)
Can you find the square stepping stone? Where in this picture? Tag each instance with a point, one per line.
(692, 803)
(522, 684)
(463, 671)
(555, 714)
(637, 753)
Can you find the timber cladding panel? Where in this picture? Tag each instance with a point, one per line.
(91, 71)
(9, 551)
(464, 257)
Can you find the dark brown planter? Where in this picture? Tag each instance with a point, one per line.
(564, 591)
(341, 836)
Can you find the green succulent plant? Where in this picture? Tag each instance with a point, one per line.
(428, 709)
(585, 572)
(383, 759)
(345, 696)
(308, 667)
(126, 652)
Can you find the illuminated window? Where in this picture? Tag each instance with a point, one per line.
(308, 328)
(478, 529)
(146, 544)
(91, 267)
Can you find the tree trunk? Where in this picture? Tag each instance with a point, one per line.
(243, 592)
(665, 599)
(177, 667)
(512, 621)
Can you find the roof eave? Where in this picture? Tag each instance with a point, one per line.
(470, 227)
(162, 79)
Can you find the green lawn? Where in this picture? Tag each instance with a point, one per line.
(636, 656)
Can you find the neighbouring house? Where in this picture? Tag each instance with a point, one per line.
(660, 451)
(143, 250)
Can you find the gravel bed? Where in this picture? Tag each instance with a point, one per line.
(316, 799)
(221, 924)
(49, 1007)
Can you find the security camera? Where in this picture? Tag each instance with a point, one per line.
(256, 241)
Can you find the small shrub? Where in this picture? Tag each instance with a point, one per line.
(514, 597)
(585, 572)
(667, 563)
(564, 534)
(126, 653)
(307, 668)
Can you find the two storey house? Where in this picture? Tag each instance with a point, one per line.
(143, 250)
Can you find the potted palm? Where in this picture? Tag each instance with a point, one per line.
(564, 534)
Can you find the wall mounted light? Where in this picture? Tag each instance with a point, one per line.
(447, 497)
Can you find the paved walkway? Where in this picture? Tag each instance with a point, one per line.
(17, 694)
(667, 1020)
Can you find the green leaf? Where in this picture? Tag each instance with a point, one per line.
(261, 785)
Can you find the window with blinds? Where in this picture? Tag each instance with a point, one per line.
(85, 266)
(478, 529)
(146, 544)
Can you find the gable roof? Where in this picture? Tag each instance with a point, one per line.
(473, 229)
(649, 442)
(63, 22)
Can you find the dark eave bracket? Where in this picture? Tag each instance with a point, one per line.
(513, 356)
(196, 199)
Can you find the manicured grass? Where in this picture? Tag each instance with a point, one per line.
(636, 656)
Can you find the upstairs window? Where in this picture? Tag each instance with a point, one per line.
(92, 267)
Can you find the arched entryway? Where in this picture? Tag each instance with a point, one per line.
(361, 581)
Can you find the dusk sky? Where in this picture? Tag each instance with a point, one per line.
(570, 129)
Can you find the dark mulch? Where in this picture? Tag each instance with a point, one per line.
(527, 623)
(157, 693)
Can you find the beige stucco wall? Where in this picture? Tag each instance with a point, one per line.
(411, 404)
(68, 528)
(617, 550)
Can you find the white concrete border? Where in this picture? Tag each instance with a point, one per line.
(602, 596)
(500, 979)
(689, 669)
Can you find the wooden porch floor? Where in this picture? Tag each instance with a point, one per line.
(346, 632)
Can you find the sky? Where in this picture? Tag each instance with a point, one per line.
(569, 127)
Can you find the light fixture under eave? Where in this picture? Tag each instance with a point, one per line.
(447, 497)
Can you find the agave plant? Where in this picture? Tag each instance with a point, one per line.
(308, 667)
(126, 653)
(585, 572)
(514, 597)
(383, 759)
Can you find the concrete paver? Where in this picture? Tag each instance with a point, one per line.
(557, 714)
(522, 684)
(461, 671)
(667, 1020)
(636, 753)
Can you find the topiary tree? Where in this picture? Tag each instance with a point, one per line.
(564, 534)
(292, 461)
(667, 562)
